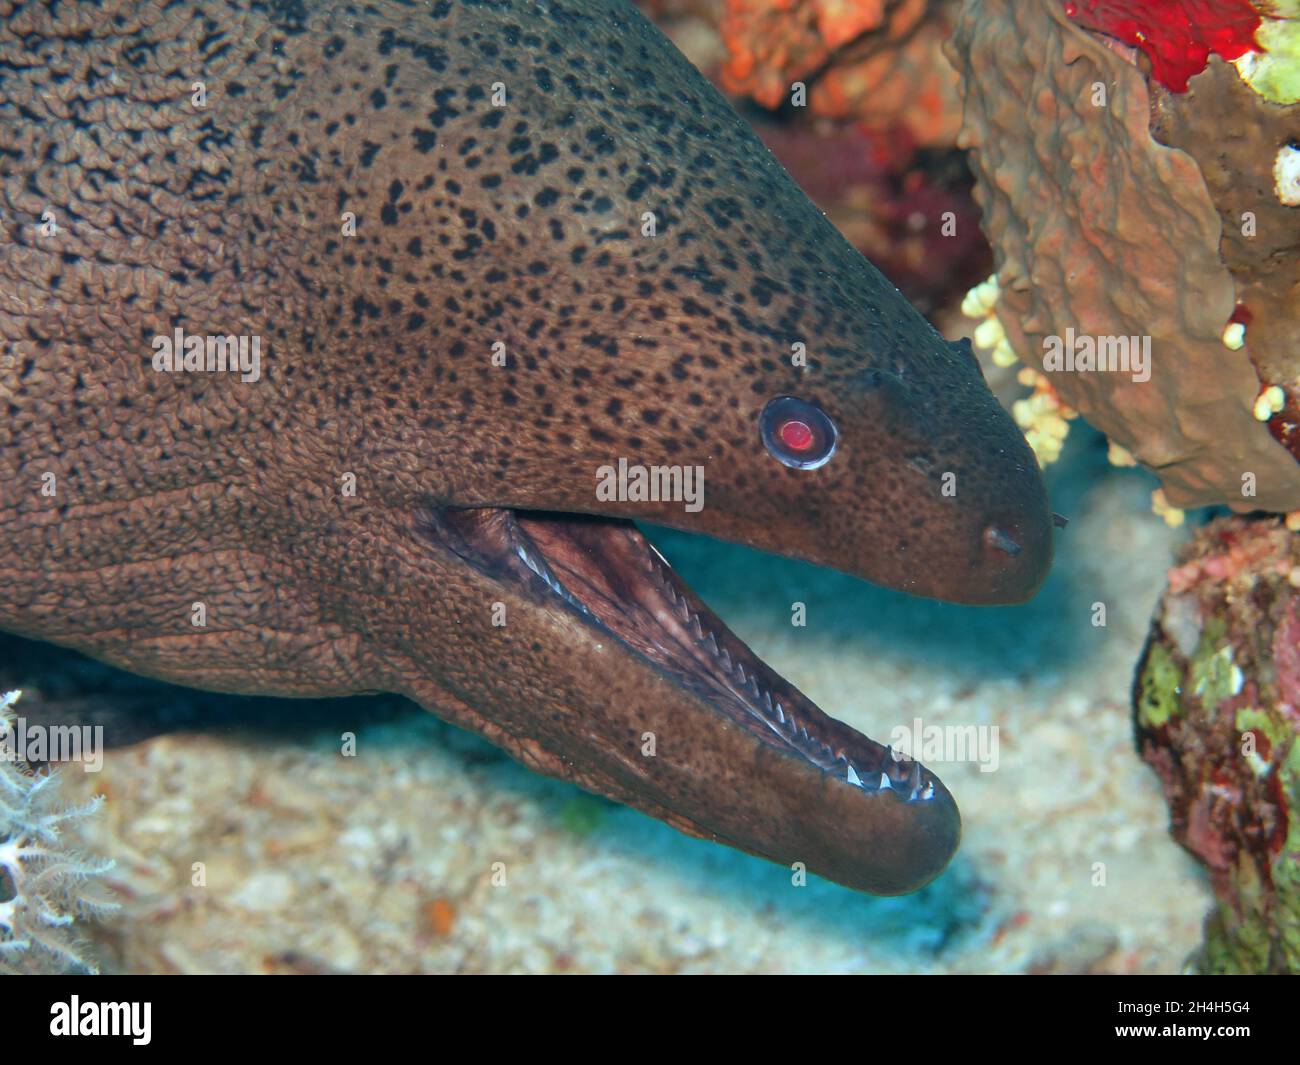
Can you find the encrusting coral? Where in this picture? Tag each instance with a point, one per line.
(1138, 194)
(44, 884)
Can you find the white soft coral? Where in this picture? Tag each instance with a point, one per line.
(44, 885)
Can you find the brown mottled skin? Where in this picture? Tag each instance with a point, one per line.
(475, 224)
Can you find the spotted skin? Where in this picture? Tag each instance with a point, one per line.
(614, 233)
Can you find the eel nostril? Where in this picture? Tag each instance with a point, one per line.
(1000, 539)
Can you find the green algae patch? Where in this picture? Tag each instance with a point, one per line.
(1158, 689)
(1237, 941)
(1274, 70)
(1214, 675)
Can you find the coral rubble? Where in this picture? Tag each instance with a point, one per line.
(1217, 701)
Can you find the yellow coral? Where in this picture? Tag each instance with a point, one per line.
(981, 300)
(1172, 515)
(989, 334)
(1269, 402)
(1118, 455)
(1042, 415)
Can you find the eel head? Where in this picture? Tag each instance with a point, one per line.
(747, 341)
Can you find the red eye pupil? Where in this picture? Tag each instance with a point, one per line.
(797, 433)
(797, 436)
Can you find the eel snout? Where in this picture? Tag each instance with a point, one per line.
(745, 758)
(1004, 550)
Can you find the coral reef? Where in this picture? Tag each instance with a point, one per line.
(44, 884)
(1217, 702)
(1236, 138)
(876, 62)
(1121, 210)
(1042, 415)
(873, 143)
(890, 202)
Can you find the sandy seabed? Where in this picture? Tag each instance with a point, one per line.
(383, 862)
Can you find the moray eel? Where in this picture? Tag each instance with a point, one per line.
(482, 250)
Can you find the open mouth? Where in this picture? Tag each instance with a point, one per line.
(608, 575)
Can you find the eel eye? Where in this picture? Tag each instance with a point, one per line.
(797, 433)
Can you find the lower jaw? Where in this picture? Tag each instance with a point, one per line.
(607, 574)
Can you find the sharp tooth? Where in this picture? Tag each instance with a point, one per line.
(884, 781)
(853, 777)
(699, 629)
(780, 714)
(929, 791)
(684, 608)
(740, 669)
(528, 561)
(713, 643)
(767, 701)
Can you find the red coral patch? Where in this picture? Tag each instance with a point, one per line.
(1178, 36)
